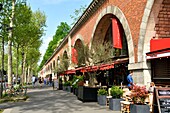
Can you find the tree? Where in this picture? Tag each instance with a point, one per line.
(61, 32)
(99, 53)
(22, 20)
(34, 32)
(63, 65)
(10, 46)
(77, 14)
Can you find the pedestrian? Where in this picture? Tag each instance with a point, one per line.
(151, 88)
(14, 79)
(40, 82)
(130, 80)
(50, 80)
(45, 81)
(19, 80)
(33, 81)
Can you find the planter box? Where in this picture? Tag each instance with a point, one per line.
(60, 86)
(114, 104)
(68, 89)
(101, 100)
(75, 91)
(64, 88)
(139, 108)
(87, 94)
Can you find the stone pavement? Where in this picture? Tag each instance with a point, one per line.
(45, 100)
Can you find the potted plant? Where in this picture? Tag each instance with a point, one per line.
(75, 84)
(67, 86)
(138, 96)
(114, 102)
(60, 84)
(101, 97)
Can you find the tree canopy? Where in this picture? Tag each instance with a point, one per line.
(61, 32)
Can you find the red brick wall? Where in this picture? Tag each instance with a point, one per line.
(133, 11)
(162, 28)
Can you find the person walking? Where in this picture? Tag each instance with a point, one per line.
(40, 81)
(130, 80)
(33, 81)
(45, 81)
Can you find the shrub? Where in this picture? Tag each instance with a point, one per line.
(67, 83)
(116, 92)
(139, 94)
(102, 91)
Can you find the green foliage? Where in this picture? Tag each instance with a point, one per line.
(61, 32)
(77, 14)
(67, 83)
(63, 66)
(76, 80)
(102, 91)
(116, 92)
(101, 52)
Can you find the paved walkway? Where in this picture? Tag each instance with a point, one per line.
(45, 100)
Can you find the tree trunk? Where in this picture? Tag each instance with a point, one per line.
(17, 62)
(28, 74)
(2, 71)
(25, 74)
(23, 67)
(10, 47)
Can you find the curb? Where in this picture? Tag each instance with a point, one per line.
(7, 110)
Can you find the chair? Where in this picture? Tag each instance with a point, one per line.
(125, 106)
(108, 97)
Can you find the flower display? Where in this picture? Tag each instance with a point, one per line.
(139, 94)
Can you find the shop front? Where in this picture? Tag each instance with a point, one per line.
(160, 61)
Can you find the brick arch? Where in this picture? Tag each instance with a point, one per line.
(65, 53)
(79, 37)
(143, 26)
(119, 14)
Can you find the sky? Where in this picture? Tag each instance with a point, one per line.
(56, 11)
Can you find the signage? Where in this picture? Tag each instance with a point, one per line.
(163, 99)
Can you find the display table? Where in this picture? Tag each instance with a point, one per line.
(87, 94)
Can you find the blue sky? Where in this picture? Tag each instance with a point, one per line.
(56, 11)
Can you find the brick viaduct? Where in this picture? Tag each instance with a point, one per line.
(141, 21)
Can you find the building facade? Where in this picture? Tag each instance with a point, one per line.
(140, 21)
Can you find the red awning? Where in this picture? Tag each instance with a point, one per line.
(159, 44)
(97, 67)
(88, 69)
(159, 48)
(74, 56)
(158, 54)
(106, 66)
(70, 72)
(116, 34)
